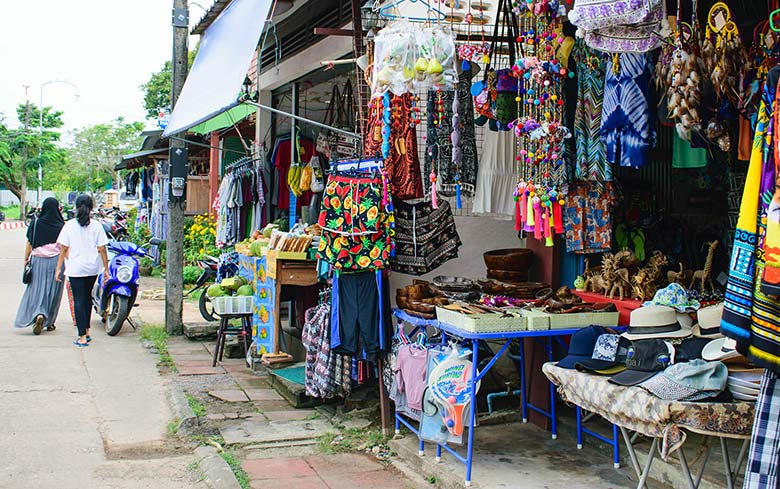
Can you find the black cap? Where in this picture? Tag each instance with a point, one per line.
(644, 359)
(581, 348)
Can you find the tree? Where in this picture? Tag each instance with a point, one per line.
(99, 148)
(22, 149)
(157, 91)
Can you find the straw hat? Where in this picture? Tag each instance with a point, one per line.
(709, 322)
(655, 322)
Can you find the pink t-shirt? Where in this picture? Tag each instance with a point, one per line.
(412, 366)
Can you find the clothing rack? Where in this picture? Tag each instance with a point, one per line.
(242, 164)
(360, 164)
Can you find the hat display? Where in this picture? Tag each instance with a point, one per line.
(720, 349)
(745, 384)
(690, 349)
(688, 381)
(675, 296)
(644, 359)
(581, 349)
(655, 322)
(610, 348)
(708, 325)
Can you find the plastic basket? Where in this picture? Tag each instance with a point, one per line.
(233, 305)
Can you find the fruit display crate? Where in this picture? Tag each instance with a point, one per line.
(233, 305)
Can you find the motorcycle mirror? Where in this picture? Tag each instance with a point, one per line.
(155, 242)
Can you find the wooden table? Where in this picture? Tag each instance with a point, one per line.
(301, 273)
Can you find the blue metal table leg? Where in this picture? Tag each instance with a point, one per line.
(421, 450)
(615, 446)
(579, 428)
(438, 453)
(552, 392)
(523, 398)
(472, 408)
(397, 425)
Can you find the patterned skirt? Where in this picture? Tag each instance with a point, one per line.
(425, 237)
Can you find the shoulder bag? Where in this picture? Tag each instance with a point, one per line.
(27, 274)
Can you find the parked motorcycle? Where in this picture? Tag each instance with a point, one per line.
(114, 223)
(114, 299)
(209, 265)
(30, 216)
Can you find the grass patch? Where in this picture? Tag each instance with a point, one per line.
(157, 272)
(159, 337)
(351, 440)
(173, 427)
(432, 479)
(235, 465)
(197, 407)
(11, 212)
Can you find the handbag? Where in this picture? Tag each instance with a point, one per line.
(317, 181)
(326, 139)
(591, 15)
(346, 144)
(27, 273)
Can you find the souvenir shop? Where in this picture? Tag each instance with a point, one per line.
(610, 163)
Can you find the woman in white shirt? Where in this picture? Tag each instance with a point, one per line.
(41, 300)
(83, 250)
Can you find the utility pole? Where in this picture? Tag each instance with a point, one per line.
(23, 179)
(177, 172)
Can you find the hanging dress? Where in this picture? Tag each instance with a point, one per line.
(591, 161)
(626, 123)
(497, 176)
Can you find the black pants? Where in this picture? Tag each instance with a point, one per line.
(82, 301)
(359, 310)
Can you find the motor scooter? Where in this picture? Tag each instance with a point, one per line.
(113, 299)
(209, 264)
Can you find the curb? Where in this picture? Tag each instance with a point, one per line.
(182, 410)
(11, 225)
(216, 471)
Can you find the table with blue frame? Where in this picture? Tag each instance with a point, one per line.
(475, 338)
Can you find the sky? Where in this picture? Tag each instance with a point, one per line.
(107, 48)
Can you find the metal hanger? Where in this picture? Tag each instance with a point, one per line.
(386, 11)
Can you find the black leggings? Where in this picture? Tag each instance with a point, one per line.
(82, 301)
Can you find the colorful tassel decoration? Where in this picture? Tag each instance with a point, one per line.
(434, 197)
(537, 204)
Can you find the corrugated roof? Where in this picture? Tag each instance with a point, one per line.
(216, 8)
(139, 159)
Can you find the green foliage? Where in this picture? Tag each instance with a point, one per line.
(159, 337)
(173, 427)
(157, 91)
(97, 149)
(235, 465)
(146, 262)
(198, 408)
(23, 148)
(190, 274)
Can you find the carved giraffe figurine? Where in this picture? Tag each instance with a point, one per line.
(705, 275)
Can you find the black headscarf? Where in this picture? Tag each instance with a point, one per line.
(46, 228)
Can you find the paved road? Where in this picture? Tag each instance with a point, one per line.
(68, 413)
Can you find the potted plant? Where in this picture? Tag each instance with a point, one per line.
(579, 283)
(145, 267)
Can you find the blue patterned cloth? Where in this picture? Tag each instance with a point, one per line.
(626, 121)
(762, 466)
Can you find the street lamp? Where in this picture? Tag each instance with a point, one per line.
(40, 130)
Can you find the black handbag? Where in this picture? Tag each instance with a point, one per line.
(27, 274)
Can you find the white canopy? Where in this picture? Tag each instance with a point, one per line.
(215, 80)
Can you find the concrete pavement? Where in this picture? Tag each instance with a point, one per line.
(73, 417)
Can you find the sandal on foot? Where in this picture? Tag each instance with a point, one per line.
(79, 344)
(38, 326)
(89, 339)
(51, 328)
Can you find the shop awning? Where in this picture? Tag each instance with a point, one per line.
(225, 119)
(136, 160)
(223, 60)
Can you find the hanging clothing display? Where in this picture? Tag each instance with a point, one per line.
(686, 156)
(357, 222)
(280, 159)
(327, 374)
(440, 159)
(763, 465)
(240, 201)
(497, 175)
(591, 160)
(626, 120)
(360, 317)
(589, 217)
(131, 183)
(425, 238)
(402, 164)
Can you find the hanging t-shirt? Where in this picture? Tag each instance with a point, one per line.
(82, 242)
(686, 156)
(589, 217)
(411, 371)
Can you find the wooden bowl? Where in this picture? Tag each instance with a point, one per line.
(507, 275)
(513, 259)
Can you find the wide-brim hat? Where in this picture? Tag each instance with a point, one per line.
(655, 322)
(720, 349)
(708, 325)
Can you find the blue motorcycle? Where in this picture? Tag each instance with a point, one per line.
(114, 299)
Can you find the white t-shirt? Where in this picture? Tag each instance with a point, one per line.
(82, 242)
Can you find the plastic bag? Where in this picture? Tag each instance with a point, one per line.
(317, 179)
(434, 63)
(393, 66)
(306, 177)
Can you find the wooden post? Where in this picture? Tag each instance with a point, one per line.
(213, 169)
